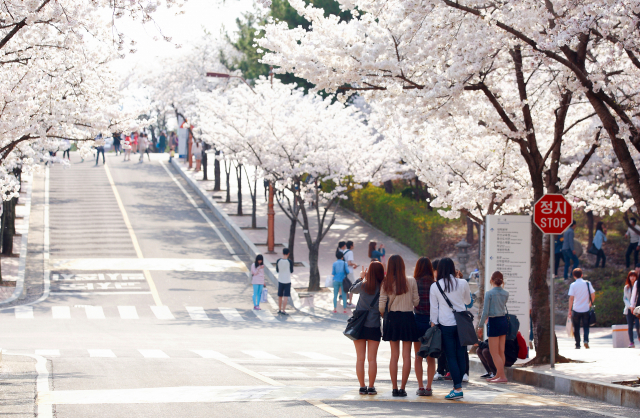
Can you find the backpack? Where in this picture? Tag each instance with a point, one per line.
(290, 264)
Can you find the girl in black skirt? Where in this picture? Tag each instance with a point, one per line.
(368, 287)
(398, 296)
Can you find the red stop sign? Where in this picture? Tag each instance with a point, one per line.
(553, 214)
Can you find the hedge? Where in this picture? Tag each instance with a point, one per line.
(609, 286)
(408, 221)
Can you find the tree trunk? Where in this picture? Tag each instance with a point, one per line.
(292, 239)
(239, 176)
(227, 171)
(205, 162)
(590, 226)
(469, 230)
(216, 173)
(254, 197)
(388, 186)
(314, 272)
(9, 227)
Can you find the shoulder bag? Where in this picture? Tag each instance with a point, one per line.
(346, 283)
(514, 325)
(355, 324)
(464, 321)
(593, 250)
(592, 311)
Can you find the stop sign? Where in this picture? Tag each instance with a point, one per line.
(553, 214)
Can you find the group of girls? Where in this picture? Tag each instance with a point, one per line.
(410, 306)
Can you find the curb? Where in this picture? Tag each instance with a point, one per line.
(613, 394)
(17, 293)
(235, 231)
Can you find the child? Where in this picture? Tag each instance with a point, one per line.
(284, 267)
(172, 153)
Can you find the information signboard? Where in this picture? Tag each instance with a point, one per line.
(508, 250)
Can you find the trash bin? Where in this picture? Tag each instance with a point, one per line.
(620, 336)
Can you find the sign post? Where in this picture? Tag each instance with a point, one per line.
(552, 214)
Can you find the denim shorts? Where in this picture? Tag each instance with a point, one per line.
(498, 326)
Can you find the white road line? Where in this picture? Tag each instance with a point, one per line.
(94, 312)
(210, 354)
(153, 353)
(197, 313)
(265, 316)
(315, 356)
(128, 312)
(61, 312)
(23, 312)
(262, 355)
(48, 353)
(302, 318)
(100, 352)
(230, 314)
(162, 312)
(200, 211)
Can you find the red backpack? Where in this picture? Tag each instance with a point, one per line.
(522, 347)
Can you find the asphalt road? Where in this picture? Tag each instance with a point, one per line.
(149, 315)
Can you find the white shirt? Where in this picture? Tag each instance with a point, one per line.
(634, 296)
(284, 272)
(634, 238)
(348, 256)
(440, 311)
(581, 295)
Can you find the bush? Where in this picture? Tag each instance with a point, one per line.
(408, 221)
(609, 286)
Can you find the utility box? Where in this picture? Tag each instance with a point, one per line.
(620, 336)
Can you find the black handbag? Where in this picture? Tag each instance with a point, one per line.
(464, 321)
(592, 311)
(346, 283)
(355, 324)
(514, 325)
(593, 250)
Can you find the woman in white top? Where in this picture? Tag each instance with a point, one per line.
(632, 278)
(196, 150)
(457, 290)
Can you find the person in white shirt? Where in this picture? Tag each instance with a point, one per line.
(284, 268)
(348, 258)
(457, 291)
(634, 243)
(581, 297)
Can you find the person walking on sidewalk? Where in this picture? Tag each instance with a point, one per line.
(634, 243)
(568, 250)
(284, 268)
(424, 275)
(398, 297)
(457, 290)
(376, 253)
(368, 287)
(116, 143)
(126, 146)
(339, 271)
(494, 312)
(143, 147)
(99, 143)
(632, 278)
(257, 280)
(196, 151)
(352, 266)
(66, 148)
(598, 242)
(581, 297)
(557, 254)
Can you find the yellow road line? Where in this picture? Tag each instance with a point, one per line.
(134, 240)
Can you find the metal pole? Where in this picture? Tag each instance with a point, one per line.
(552, 251)
(271, 241)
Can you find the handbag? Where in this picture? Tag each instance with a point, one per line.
(346, 283)
(569, 327)
(464, 321)
(593, 250)
(592, 311)
(514, 325)
(353, 330)
(265, 295)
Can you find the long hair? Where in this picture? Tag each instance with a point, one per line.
(447, 272)
(372, 248)
(434, 263)
(599, 226)
(631, 273)
(423, 270)
(395, 276)
(341, 244)
(259, 258)
(375, 276)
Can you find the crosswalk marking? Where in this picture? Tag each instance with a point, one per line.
(265, 316)
(315, 356)
(153, 353)
(23, 312)
(94, 312)
(197, 313)
(210, 354)
(49, 353)
(262, 355)
(162, 312)
(100, 352)
(128, 312)
(230, 314)
(61, 312)
(302, 318)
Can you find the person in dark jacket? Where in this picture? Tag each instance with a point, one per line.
(484, 354)
(368, 287)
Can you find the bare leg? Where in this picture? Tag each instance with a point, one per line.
(494, 349)
(418, 364)
(431, 371)
(406, 362)
(361, 352)
(373, 361)
(393, 363)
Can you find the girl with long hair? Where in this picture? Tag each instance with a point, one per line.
(257, 279)
(457, 291)
(376, 253)
(632, 278)
(494, 312)
(398, 296)
(368, 287)
(424, 276)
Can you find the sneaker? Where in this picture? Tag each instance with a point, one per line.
(284, 313)
(344, 311)
(448, 377)
(632, 345)
(350, 305)
(586, 345)
(372, 391)
(454, 395)
(279, 312)
(438, 376)
(258, 308)
(421, 392)
(491, 376)
(402, 392)
(255, 307)
(363, 390)
(577, 347)
(485, 376)
(465, 378)
(334, 311)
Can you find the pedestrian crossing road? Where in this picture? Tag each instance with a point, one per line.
(164, 313)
